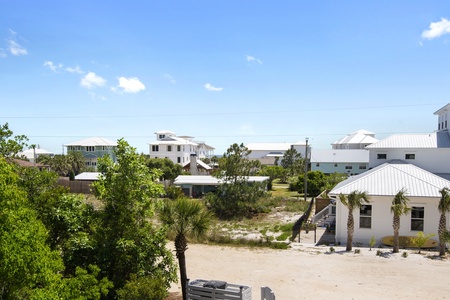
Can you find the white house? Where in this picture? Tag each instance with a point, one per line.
(32, 154)
(382, 183)
(359, 139)
(93, 148)
(350, 161)
(178, 148)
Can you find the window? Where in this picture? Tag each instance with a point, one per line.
(178, 159)
(317, 165)
(381, 156)
(410, 156)
(178, 148)
(90, 148)
(362, 167)
(169, 148)
(161, 136)
(335, 165)
(365, 216)
(348, 167)
(155, 148)
(417, 218)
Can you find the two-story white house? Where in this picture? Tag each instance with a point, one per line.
(93, 148)
(178, 148)
(417, 163)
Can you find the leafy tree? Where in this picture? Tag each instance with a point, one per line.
(273, 172)
(293, 162)
(316, 181)
(235, 196)
(169, 169)
(143, 288)
(184, 218)
(11, 145)
(352, 201)
(444, 208)
(421, 239)
(76, 161)
(29, 269)
(399, 207)
(127, 242)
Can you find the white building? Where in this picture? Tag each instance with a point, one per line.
(350, 162)
(382, 184)
(356, 140)
(178, 148)
(33, 154)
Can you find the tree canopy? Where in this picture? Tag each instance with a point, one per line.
(11, 145)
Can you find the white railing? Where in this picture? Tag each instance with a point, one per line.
(324, 213)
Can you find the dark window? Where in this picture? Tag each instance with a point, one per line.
(417, 218)
(317, 164)
(335, 165)
(90, 148)
(178, 148)
(169, 148)
(155, 148)
(381, 156)
(365, 216)
(178, 159)
(362, 167)
(348, 167)
(410, 156)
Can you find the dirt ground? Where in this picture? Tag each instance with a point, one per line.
(306, 271)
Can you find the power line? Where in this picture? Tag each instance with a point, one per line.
(219, 113)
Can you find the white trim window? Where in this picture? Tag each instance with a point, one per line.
(365, 216)
(417, 218)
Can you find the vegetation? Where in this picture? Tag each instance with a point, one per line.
(352, 201)
(372, 242)
(292, 162)
(11, 145)
(421, 239)
(65, 165)
(169, 169)
(399, 207)
(236, 196)
(317, 182)
(444, 208)
(185, 218)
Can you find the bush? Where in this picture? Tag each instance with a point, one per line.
(174, 192)
(144, 287)
(405, 254)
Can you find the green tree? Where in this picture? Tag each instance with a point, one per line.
(352, 201)
(444, 208)
(316, 181)
(236, 195)
(273, 172)
(11, 145)
(184, 218)
(293, 162)
(169, 169)
(399, 207)
(76, 161)
(127, 242)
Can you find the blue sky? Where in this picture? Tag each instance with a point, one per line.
(222, 71)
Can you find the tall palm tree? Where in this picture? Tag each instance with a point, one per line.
(443, 207)
(184, 218)
(352, 201)
(399, 207)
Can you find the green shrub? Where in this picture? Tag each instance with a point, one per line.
(357, 251)
(405, 254)
(144, 287)
(279, 245)
(283, 236)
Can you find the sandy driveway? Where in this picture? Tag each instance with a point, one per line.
(309, 272)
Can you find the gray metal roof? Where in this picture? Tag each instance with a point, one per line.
(173, 140)
(88, 176)
(389, 178)
(357, 137)
(340, 156)
(439, 139)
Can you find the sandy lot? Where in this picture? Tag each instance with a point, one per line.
(311, 272)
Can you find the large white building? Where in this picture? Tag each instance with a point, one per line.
(417, 163)
(178, 148)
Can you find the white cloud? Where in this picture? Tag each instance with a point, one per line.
(90, 80)
(170, 78)
(252, 59)
(437, 29)
(212, 88)
(131, 85)
(52, 66)
(13, 46)
(75, 70)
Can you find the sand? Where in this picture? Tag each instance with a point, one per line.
(306, 271)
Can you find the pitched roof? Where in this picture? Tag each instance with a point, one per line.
(93, 141)
(88, 176)
(199, 163)
(389, 178)
(340, 156)
(357, 137)
(439, 139)
(173, 140)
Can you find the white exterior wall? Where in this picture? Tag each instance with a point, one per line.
(330, 168)
(184, 153)
(436, 160)
(382, 220)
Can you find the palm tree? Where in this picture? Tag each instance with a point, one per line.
(443, 207)
(352, 201)
(399, 207)
(184, 218)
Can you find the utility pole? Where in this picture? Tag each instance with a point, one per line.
(306, 170)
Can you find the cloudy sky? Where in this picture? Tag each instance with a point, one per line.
(222, 71)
